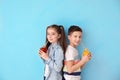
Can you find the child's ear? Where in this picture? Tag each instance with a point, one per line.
(69, 37)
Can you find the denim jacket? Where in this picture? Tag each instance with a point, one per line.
(55, 62)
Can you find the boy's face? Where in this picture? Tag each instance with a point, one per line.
(75, 38)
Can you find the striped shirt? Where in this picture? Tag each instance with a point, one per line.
(71, 54)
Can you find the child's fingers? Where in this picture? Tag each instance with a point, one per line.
(40, 52)
(90, 56)
(40, 55)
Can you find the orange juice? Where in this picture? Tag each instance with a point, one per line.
(85, 52)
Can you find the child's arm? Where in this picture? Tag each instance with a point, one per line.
(57, 62)
(43, 55)
(71, 67)
(89, 57)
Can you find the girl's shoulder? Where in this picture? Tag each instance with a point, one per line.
(56, 46)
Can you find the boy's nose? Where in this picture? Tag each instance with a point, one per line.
(78, 39)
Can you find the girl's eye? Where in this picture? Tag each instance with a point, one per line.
(53, 33)
(48, 34)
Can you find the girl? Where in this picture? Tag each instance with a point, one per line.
(53, 58)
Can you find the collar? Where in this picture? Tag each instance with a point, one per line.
(55, 45)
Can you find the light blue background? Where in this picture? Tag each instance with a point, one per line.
(22, 32)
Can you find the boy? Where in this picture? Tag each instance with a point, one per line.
(72, 63)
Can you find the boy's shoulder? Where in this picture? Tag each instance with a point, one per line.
(71, 53)
(71, 49)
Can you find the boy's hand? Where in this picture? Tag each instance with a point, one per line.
(90, 55)
(86, 58)
(43, 55)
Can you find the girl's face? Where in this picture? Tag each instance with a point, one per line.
(52, 35)
(75, 38)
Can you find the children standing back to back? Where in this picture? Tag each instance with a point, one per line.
(53, 58)
(73, 64)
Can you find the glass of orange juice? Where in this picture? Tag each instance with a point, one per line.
(85, 52)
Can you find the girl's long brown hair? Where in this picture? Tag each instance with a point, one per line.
(62, 40)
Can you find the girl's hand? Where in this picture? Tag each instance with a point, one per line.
(43, 55)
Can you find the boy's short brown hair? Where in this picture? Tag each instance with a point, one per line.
(74, 28)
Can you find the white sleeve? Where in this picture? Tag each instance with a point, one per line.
(69, 55)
